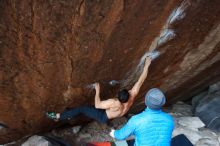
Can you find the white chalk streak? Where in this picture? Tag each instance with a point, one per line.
(166, 35)
(133, 74)
(153, 55)
(114, 82)
(91, 86)
(178, 13)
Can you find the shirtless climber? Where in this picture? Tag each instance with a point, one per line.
(107, 109)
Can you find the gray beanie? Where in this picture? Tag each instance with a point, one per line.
(155, 99)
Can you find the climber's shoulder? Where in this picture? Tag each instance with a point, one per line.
(114, 101)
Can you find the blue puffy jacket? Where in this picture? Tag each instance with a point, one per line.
(150, 128)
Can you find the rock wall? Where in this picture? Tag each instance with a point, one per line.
(52, 51)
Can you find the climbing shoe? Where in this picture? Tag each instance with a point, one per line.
(52, 116)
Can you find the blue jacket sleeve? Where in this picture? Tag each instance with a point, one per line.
(125, 131)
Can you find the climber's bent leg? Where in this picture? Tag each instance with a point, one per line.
(89, 111)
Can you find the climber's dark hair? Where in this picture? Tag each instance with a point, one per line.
(123, 95)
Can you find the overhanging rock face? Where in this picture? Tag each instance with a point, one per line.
(52, 51)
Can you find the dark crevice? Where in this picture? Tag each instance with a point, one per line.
(4, 126)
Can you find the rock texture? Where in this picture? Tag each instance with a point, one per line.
(50, 51)
(37, 141)
(208, 108)
(192, 127)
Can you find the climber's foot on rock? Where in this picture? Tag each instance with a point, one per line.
(52, 116)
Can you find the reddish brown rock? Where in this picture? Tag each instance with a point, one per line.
(50, 51)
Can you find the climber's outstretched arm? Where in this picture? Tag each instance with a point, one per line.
(136, 88)
(98, 103)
